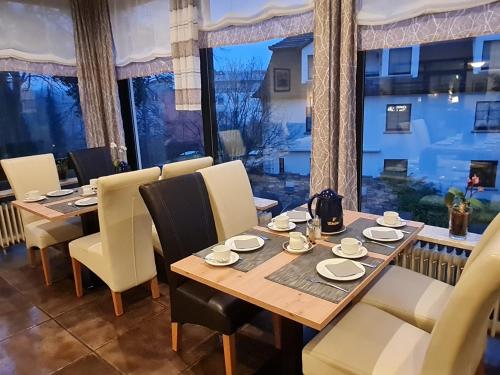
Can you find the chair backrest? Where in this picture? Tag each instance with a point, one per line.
(491, 229)
(231, 198)
(232, 142)
(458, 339)
(185, 167)
(37, 172)
(181, 211)
(125, 224)
(92, 163)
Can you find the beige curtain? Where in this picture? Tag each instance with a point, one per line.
(185, 54)
(96, 73)
(333, 163)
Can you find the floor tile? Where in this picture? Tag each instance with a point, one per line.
(89, 365)
(39, 350)
(147, 349)
(95, 323)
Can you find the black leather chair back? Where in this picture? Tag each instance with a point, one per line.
(181, 211)
(92, 163)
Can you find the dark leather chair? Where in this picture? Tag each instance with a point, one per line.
(92, 163)
(182, 214)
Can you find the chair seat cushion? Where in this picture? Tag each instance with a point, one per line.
(200, 304)
(366, 340)
(44, 233)
(156, 241)
(411, 296)
(88, 251)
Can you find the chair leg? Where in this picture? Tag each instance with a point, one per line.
(32, 256)
(277, 330)
(176, 336)
(44, 254)
(117, 303)
(229, 345)
(77, 275)
(155, 289)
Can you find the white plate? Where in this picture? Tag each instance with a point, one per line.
(59, 193)
(32, 200)
(337, 250)
(305, 249)
(86, 202)
(291, 226)
(88, 194)
(323, 271)
(367, 234)
(230, 242)
(344, 228)
(233, 258)
(308, 217)
(380, 221)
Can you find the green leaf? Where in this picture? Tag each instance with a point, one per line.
(449, 198)
(455, 191)
(476, 203)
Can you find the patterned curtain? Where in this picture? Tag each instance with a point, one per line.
(185, 54)
(96, 73)
(333, 163)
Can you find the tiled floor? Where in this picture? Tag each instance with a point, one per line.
(50, 331)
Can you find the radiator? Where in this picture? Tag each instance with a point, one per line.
(443, 263)
(11, 225)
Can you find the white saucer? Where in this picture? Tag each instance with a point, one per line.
(291, 226)
(32, 200)
(337, 250)
(344, 228)
(233, 258)
(380, 221)
(230, 242)
(308, 217)
(305, 249)
(86, 202)
(59, 193)
(367, 234)
(323, 271)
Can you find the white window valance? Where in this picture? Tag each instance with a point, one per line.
(381, 12)
(37, 31)
(141, 30)
(218, 14)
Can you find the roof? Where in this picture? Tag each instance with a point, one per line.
(298, 41)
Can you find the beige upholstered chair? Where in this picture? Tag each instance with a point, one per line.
(231, 198)
(122, 253)
(416, 298)
(39, 172)
(177, 169)
(367, 340)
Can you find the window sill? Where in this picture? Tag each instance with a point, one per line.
(398, 132)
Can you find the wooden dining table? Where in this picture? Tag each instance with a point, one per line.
(295, 307)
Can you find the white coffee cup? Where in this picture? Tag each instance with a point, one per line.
(282, 222)
(93, 184)
(221, 253)
(87, 190)
(32, 194)
(391, 218)
(297, 241)
(350, 246)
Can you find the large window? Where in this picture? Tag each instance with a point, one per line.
(164, 134)
(263, 105)
(453, 109)
(39, 114)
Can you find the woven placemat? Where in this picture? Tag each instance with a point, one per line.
(249, 260)
(64, 207)
(355, 229)
(297, 274)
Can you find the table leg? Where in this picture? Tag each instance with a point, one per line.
(291, 349)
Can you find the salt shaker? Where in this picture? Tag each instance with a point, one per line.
(317, 227)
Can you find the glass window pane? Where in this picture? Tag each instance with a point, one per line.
(454, 133)
(491, 54)
(372, 67)
(400, 60)
(264, 115)
(165, 135)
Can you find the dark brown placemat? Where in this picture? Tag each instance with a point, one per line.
(251, 259)
(355, 229)
(297, 273)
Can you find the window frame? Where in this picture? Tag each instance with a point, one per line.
(397, 131)
(494, 175)
(487, 130)
(387, 173)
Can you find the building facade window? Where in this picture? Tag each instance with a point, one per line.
(491, 54)
(487, 116)
(486, 170)
(373, 63)
(396, 167)
(310, 67)
(398, 118)
(400, 61)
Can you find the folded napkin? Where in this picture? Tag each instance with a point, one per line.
(346, 268)
(246, 244)
(384, 234)
(297, 215)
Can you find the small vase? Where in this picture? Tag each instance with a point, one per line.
(459, 222)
